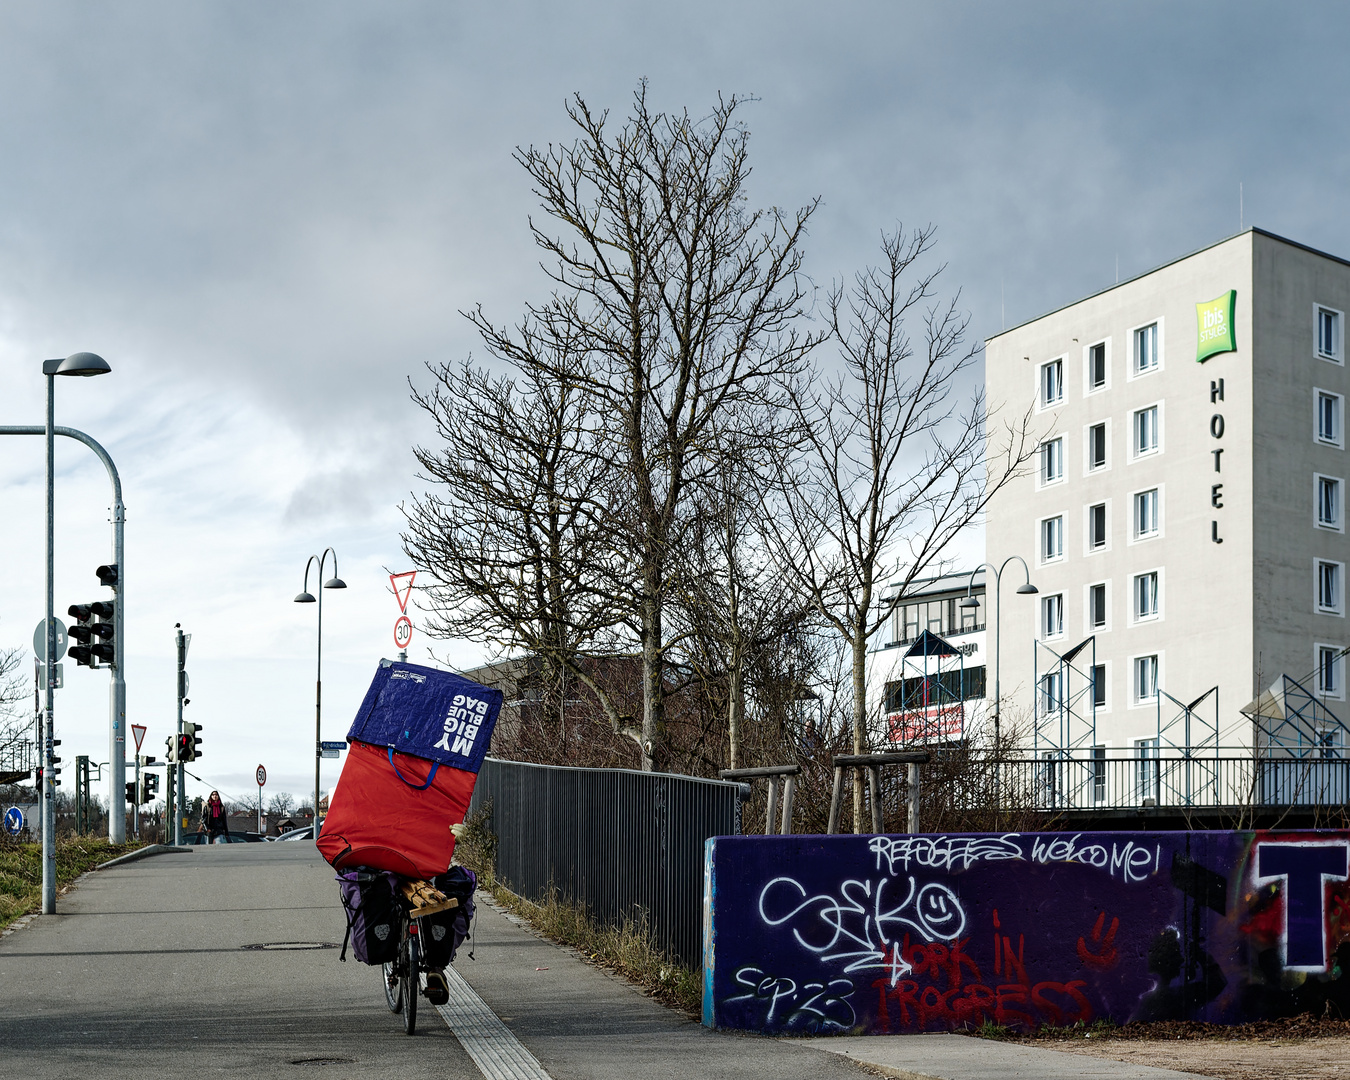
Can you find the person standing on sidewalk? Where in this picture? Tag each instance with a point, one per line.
(215, 820)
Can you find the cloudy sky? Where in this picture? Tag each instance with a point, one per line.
(267, 218)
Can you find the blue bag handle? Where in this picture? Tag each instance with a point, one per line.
(416, 787)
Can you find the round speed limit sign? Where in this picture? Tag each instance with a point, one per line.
(403, 631)
(261, 776)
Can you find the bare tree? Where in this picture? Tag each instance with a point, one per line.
(894, 461)
(685, 303)
(517, 535)
(281, 803)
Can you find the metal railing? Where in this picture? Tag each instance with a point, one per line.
(17, 758)
(621, 844)
(1087, 783)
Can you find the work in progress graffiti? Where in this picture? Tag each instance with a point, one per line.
(881, 934)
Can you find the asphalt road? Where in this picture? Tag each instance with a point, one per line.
(144, 971)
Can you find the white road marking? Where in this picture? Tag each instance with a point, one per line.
(498, 1054)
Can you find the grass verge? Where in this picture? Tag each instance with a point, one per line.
(627, 950)
(21, 870)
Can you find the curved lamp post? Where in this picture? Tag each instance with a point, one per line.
(970, 602)
(306, 597)
(85, 364)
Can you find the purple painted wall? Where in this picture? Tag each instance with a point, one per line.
(881, 934)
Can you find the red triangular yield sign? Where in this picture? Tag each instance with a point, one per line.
(138, 731)
(402, 588)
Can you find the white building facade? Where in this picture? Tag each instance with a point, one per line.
(1184, 515)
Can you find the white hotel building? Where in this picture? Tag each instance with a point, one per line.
(1183, 519)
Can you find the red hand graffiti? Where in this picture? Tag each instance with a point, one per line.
(1106, 954)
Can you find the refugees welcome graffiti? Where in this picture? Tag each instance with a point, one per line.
(922, 933)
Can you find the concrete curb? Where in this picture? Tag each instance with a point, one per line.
(143, 853)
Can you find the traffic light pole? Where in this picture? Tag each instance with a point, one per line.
(48, 798)
(181, 808)
(117, 811)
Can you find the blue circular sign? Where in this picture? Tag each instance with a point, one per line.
(14, 821)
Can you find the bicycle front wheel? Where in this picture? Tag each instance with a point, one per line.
(393, 986)
(412, 961)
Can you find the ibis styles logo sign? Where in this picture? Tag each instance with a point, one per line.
(1214, 330)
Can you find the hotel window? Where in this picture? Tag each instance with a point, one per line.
(1328, 502)
(1330, 681)
(1329, 586)
(1146, 595)
(1099, 773)
(1052, 692)
(1146, 514)
(1329, 409)
(1052, 616)
(1146, 431)
(1097, 606)
(1328, 334)
(1052, 382)
(1052, 539)
(1097, 526)
(1097, 446)
(1097, 366)
(1052, 461)
(1146, 769)
(1145, 678)
(1145, 349)
(1099, 688)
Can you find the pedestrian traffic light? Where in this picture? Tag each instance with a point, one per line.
(107, 575)
(184, 748)
(105, 629)
(82, 631)
(151, 786)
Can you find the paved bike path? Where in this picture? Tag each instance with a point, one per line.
(145, 971)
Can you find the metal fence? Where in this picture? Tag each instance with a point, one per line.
(622, 844)
(1099, 783)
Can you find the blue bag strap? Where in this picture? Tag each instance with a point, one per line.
(416, 787)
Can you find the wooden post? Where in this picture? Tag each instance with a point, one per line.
(773, 806)
(912, 794)
(789, 790)
(833, 826)
(874, 791)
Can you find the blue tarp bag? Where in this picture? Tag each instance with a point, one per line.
(429, 714)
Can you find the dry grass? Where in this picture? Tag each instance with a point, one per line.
(21, 870)
(627, 949)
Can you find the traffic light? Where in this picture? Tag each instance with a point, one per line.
(171, 748)
(56, 772)
(151, 781)
(82, 630)
(131, 793)
(189, 742)
(105, 629)
(107, 575)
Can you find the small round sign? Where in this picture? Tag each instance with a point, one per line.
(402, 631)
(40, 639)
(13, 821)
(262, 776)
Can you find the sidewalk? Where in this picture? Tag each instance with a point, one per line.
(146, 969)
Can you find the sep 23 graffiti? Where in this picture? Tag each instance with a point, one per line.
(884, 934)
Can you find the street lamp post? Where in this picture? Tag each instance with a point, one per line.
(305, 597)
(970, 602)
(86, 364)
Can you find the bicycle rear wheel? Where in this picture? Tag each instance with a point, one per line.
(409, 983)
(393, 986)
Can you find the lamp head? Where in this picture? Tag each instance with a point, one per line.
(969, 602)
(304, 598)
(1027, 590)
(335, 583)
(81, 363)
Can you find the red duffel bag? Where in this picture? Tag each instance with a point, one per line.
(393, 811)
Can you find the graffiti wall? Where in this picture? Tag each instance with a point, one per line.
(882, 934)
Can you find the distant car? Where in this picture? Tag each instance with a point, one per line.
(196, 839)
(307, 833)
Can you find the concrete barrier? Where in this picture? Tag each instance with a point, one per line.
(884, 934)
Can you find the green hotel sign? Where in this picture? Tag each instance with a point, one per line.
(1215, 333)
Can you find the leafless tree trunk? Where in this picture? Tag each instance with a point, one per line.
(894, 465)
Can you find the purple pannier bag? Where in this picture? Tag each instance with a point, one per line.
(374, 915)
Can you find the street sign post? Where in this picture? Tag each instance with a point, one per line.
(138, 733)
(403, 584)
(40, 639)
(331, 749)
(261, 777)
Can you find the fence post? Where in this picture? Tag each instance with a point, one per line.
(874, 791)
(833, 826)
(789, 790)
(912, 792)
(772, 810)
